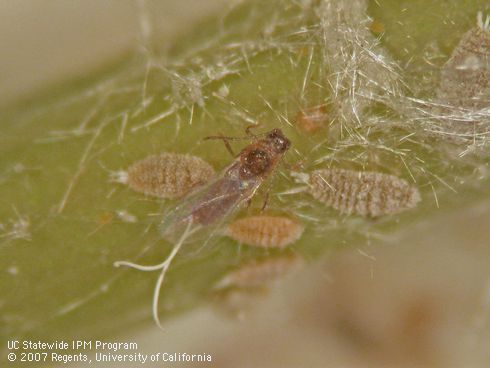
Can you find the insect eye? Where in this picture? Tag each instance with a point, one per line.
(279, 142)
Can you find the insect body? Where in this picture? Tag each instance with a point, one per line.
(210, 205)
(465, 76)
(365, 193)
(167, 175)
(260, 272)
(312, 119)
(265, 231)
(237, 184)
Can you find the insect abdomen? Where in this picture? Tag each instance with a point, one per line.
(362, 192)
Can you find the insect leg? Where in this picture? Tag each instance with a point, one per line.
(249, 203)
(297, 166)
(266, 200)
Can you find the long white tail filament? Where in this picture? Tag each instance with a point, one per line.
(162, 266)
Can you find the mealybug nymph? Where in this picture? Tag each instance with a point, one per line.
(364, 193)
(167, 175)
(259, 273)
(265, 231)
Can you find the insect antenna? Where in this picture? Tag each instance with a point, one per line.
(224, 137)
(225, 141)
(162, 266)
(247, 132)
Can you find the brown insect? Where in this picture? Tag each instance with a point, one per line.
(167, 175)
(237, 184)
(465, 76)
(365, 193)
(312, 119)
(265, 231)
(209, 205)
(260, 272)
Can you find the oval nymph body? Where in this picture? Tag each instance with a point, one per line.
(265, 231)
(168, 175)
(364, 193)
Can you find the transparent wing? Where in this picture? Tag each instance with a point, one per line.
(209, 206)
